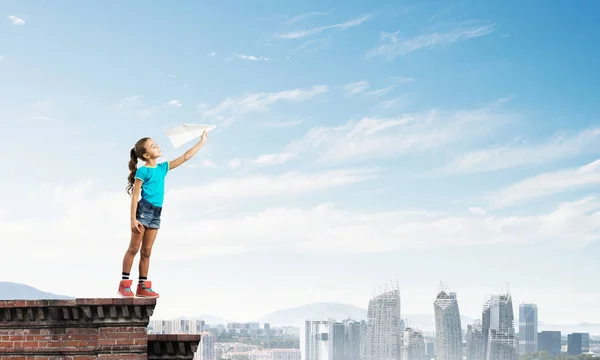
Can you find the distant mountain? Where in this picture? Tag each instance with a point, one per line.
(15, 291)
(297, 316)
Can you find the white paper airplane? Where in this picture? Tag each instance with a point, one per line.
(184, 133)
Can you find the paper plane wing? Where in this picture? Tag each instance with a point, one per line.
(184, 133)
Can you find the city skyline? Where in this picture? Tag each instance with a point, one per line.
(355, 142)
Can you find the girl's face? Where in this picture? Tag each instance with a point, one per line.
(152, 150)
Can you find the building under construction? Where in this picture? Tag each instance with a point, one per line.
(384, 324)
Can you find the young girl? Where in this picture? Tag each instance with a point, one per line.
(145, 213)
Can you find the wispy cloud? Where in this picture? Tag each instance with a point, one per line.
(251, 57)
(272, 159)
(16, 20)
(313, 45)
(381, 92)
(257, 102)
(373, 137)
(209, 164)
(283, 123)
(289, 183)
(394, 103)
(234, 163)
(547, 184)
(316, 30)
(506, 157)
(298, 18)
(175, 103)
(402, 79)
(393, 46)
(356, 87)
(212, 53)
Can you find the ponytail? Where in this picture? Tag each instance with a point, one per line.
(133, 160)
(136, 152)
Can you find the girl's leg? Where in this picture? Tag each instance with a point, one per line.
(147, 243)
(134, 247)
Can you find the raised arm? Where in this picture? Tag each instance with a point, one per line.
(190, 153)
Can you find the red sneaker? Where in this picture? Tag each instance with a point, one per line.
(144, 290)
(125, 288)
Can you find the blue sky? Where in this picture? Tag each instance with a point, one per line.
(356, 143)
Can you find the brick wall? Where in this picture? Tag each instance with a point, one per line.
(85, 329)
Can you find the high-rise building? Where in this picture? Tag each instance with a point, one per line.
(413, 345)
(383, 339)
(331, 340)
(477, 342)
(447, 326)
(316, 342)
(206, 348)
(574, 342)
(550, 342)
(585, 342)
(528, 328)
(498, 327)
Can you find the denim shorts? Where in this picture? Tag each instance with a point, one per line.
(148, 214)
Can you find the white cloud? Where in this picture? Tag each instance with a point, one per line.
(301, 17)
(381, 92)
(1, 58)
(212, 54)
(506, 157)
(251, 57)
(272, 159)
(234, 163)
(283, 123)
(356, 87)
(548, 184)
(402, 79)
(257, 102)
(393, 46)
(477, 211)
(323, 228)
(394, 103)
(209, 164)
(175, 103)
(16, 21)
(316, 30)
(410, 133)
(312, 45)
(256, 186)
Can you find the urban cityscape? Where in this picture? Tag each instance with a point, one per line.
(386, 335)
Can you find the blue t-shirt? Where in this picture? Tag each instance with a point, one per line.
(153, 182)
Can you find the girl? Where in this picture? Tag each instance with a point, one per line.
(145, 213)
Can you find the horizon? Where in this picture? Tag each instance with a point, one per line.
(355, 143)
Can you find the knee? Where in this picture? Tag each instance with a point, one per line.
(133, 250)
(145, 253)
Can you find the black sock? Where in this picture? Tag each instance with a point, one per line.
(125, 276)
(142, 279)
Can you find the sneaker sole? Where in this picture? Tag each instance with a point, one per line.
(124, 296)
(147, 297)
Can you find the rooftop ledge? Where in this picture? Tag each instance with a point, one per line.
(75, 313)
(87, 329)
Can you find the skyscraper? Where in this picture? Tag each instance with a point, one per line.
(477, 342)
(447, 326)
(498, 325)
(383, 326)
(316, 342)
(528, 328)
(413, 345)
(574, 342)
(550, 341)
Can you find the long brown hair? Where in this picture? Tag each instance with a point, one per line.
(137, 152)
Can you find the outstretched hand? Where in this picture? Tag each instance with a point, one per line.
(204, 136)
